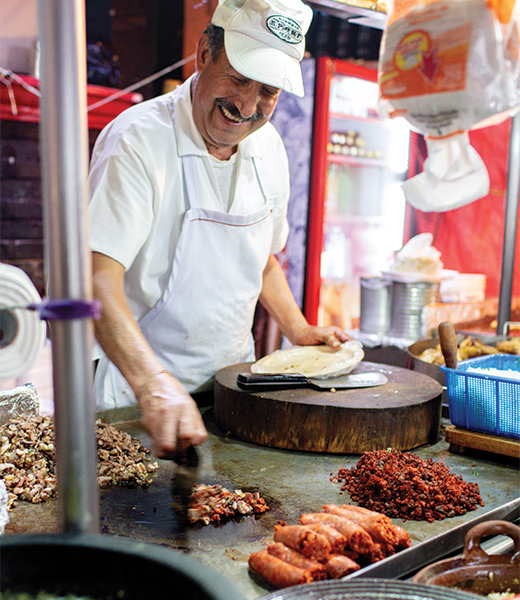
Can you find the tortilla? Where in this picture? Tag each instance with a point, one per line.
(319, 362)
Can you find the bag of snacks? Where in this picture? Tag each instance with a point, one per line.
(448, 66)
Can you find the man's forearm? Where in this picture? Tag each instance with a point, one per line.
(117, 330)
(276, 297)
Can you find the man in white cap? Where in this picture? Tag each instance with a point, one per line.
(189, 194)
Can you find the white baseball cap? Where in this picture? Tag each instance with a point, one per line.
(265, 39)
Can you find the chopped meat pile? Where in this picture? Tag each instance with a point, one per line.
(214, 503)
(28, 465)
(403, 485)
(122, 459)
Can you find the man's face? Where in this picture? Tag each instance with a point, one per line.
(227, 107)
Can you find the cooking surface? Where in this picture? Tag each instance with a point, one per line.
(291, 482)
(340, 421)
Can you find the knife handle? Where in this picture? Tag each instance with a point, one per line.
(268, 381)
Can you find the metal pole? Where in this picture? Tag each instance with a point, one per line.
(511, 218)
(64, 161)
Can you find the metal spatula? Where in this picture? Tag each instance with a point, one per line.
(257, 382)
(184, 481)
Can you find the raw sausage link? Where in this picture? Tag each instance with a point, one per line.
(277, 572)
(358, 539)
(303, 539)
(379, 527)
(339, 565)
(338, 542)
(288, 555)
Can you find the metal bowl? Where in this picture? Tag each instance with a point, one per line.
(102, 567)
(475, 571)
(417, 348)
(416, 364)
(368, 589)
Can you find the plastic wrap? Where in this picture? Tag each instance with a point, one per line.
(448, 66)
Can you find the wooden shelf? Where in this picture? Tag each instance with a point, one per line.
(462, 439)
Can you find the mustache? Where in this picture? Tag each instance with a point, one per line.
(233, 110)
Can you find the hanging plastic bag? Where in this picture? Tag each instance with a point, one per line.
(448, 66)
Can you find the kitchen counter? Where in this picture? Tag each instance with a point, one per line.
(291, 483)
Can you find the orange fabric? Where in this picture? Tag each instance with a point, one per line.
(470, 238)
(503, 9)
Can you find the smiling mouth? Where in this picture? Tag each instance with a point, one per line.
(229, 115)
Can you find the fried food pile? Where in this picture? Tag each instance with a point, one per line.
(405, 486)
(327, 545)
(471, 347)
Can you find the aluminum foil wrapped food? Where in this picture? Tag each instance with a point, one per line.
(21, 401)
(4, 514)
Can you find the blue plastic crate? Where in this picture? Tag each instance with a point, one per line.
(485, 403)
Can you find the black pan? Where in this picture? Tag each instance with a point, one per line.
(102, 567)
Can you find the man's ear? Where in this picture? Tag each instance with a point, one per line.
(203, 53)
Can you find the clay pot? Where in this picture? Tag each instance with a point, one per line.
(476, 571)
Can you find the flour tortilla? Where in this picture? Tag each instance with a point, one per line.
(318, 362)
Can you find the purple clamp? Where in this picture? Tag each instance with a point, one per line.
(66, 310)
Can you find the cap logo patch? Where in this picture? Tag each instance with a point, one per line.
(284, 28)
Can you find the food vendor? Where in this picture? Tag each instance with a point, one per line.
(189, 195)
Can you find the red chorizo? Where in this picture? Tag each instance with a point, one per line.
(403, 538)
(403, 485)
(365, 511)
(358, 539)
(337, 541)
(303, 539)
(378, 526)
(378, 552)
(288, 555)
(339, 565)
(277, 572)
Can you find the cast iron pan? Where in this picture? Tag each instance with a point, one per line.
(103, 567)
(368, 589)
(476, 571)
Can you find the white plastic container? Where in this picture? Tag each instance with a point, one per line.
(464, 287)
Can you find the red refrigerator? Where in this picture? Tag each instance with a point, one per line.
(356, 206)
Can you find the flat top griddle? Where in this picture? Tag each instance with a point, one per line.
(291, 482)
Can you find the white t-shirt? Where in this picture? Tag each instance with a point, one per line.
(138, 197)
(226, 174)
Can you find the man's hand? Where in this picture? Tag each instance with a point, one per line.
(311, 336)
(170, 416)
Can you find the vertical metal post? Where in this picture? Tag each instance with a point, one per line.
(510, 222)
(64, 161)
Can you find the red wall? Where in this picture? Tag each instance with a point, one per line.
(470, 238)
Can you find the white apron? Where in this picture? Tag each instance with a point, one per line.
(203, 321)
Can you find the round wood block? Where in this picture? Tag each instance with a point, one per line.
(403, 413)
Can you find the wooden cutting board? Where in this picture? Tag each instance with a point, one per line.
(403, 413)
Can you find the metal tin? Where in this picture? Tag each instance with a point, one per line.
(375, 298)
(408, 301)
